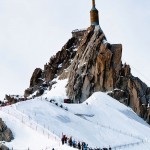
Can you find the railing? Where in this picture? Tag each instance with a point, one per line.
(28, 121)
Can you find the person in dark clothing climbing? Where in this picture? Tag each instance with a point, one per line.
(66, 139)
(85, 146)
(109, 147)
(74, 143)
(82, 145)
(63, 139)
(79, 146)
(70, 141)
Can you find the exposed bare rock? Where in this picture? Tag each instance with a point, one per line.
(12, 99)
(148, 115)
(5, 133)
(41, 79)
(132, 92)
(95, 67)
(61, 61)
(36, 77)
(136, 92)
(28, 92)
(3, 147)
(120, 95)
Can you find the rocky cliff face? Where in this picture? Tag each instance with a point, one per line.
(5, 132)
(97, 66)
(92, 64)
(132, 92)
(3, 147)
(41, 79)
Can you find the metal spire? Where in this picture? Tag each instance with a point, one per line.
(93, 3)
(94, 14)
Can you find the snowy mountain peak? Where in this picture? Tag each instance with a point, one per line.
(86, 65)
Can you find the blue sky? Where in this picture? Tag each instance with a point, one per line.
(33, 30)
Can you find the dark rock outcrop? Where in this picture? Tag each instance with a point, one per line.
(97, 66)
(5, 132)
(3, 147)
(10, 99)
(132, 92)
(41, 79)
(36, 78)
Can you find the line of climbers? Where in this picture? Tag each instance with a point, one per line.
(79, 145)
(56, 103)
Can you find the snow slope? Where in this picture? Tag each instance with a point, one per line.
(100, 121)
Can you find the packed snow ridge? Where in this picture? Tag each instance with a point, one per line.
(100, 121)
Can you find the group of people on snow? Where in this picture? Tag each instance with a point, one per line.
(79, 145)
(71, 142)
